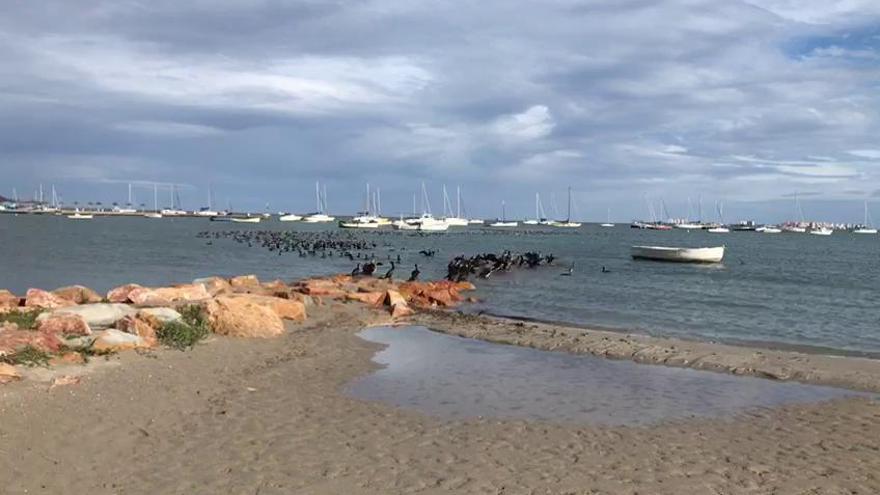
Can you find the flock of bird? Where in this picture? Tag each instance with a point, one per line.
(484, 265)
(323, 244)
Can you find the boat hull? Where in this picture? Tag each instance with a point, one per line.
(678, 254)
(290, 218)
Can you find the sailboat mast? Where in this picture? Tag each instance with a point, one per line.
(318, 197)
(569, 206)
(324, 202)
(458, 202)
(156, 197)
(537, 212)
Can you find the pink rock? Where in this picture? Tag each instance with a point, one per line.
(8, 374)
(243, 317)
(78, 294)
(64, 324)
(140, 327)
(8, 300)
(371, 298)
(244, 282)
(12, 341)
(120, 294)
(37, 298)
(166, 296)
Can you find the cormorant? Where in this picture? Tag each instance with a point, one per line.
(413, 275)
(356, 271)
(390, 271)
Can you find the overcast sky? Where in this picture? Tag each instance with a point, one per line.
(745, 101)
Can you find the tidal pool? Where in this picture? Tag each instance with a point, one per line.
(454, 377)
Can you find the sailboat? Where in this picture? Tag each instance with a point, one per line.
(607, 220)
(457, 220)
(365, 219)
(155, 213)
(208, 211)
(321, 200)
(128, 210)
(426, 222)
(540, 216)
(174, 209)
(822, 231)
(503, 221)
(289, 217)
(866, 228)
(568, 223)
(798, 227)
(720, 229)
(80, 216)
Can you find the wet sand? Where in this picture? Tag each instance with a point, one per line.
(269, 417)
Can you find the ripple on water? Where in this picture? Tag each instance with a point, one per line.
(454, 377)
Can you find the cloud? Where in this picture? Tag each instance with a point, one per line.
(872, 154)
(534, 123)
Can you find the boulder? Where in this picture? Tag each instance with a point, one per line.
(243, 317)
(321, 287)
(244, 282)
(120, 294)
(164, 315)
(287, 309)
(100, 315)
(165, 296)
(8, 300)
(37, 298)
(78, 294)
(8, 374)
(64, 324)
(214, 285)
(12, 341)
(400, 310)
(139, 327)
(114, 340)
(461, 286)
(371, 298)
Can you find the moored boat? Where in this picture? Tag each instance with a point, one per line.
(679, 254)
(290, 217)
(821, 231)
(80, 216)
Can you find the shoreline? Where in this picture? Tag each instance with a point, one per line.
(851, 372)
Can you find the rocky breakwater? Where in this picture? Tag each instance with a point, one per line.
(71, 324)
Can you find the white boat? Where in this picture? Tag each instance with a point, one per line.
(476, 221)
(567, 223)
(866, 228)
(290, 217)
(433, 226)
(607, 220)
(719, 230)
(452, 217)
(821, 231)
(502, 222)
(153, 214)
(540, 215)
(80, 216)
(404, 225)
(321, 199)
(768, 229)
(246, 219)
(679, 254)
(795, 229)
(688, 226)
(359, 225)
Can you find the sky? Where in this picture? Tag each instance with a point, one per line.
(627, 102)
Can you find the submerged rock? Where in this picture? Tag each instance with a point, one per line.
(100, 315)
(64, 324)
(78, 294)
(243, 317)
(38, 298)
(120, 294)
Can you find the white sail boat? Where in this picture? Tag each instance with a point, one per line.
(821, 231)
(457, 220)
(128, 210)
(155, 213)
(320, 216)
(720, 229)
(426, 222)
(290, 217)
(568, 223)
(174, 209)
(366, 219)
(502, 222)
(798, 227)
(208, 211)
(866, 228)
(540, 216)
(607, 219)
(80, 216)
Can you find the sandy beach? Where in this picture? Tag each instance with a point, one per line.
(267, 416)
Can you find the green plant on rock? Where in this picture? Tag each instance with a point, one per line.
(28, 356)
(186, 332)
(24, 319)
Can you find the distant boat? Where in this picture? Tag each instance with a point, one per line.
(567, 223)
(80, 216)
(502, 222)
(821, 231)
(155, 213)
(866, 228)
(720, 228)
(540, 215)
(453, 218)
(319, 216)
(607, 219)
(768, 229)
(679, 254)
(245, 219)
(290, 217)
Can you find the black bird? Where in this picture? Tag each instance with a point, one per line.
(605, 270)
(369, 268)
(356, 271)
(413, 275)
(390, 271)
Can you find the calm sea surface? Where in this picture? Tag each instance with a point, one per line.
(795, 289)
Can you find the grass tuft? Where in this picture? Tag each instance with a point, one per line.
(24, 319)
(28, 356)
(185, 333)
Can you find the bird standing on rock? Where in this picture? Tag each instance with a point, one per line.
(356, 271)
(389, 273)
(413, 275)
(369, 268)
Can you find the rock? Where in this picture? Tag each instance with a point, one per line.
(165, 296)
(120, 294)
(81, 343)
(393, 297)
(244, 282)
(37, 298)
(321, 287)
(8, 300)
(12, 341)
(98, 316)
(63, 380)
(214, 285)
(78, 294)
(442, 297)
(465, 286)
(275, 285)
(371, 298)
(8, 374)
(242, 317)
(306, 300)
(141, 328)
(287, 309)
(114, 340)
(64, 324)
(163, 315)
(400, 310)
